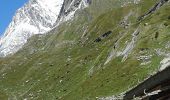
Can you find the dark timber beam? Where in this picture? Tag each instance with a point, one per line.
(149, 84)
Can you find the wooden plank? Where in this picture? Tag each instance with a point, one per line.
(148, 84)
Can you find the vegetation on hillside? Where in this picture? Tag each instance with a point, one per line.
(67, 63)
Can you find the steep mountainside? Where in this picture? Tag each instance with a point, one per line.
(107, 48)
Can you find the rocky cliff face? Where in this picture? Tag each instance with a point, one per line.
(70, 7)
(36, 17)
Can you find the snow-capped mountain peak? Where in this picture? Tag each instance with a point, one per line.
(35, 17)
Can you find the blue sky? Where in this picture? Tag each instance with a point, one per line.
(7, 11)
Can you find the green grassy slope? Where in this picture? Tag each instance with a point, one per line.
(67, 64)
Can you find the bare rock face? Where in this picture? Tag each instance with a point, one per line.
(36, 17)
(70, 7)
